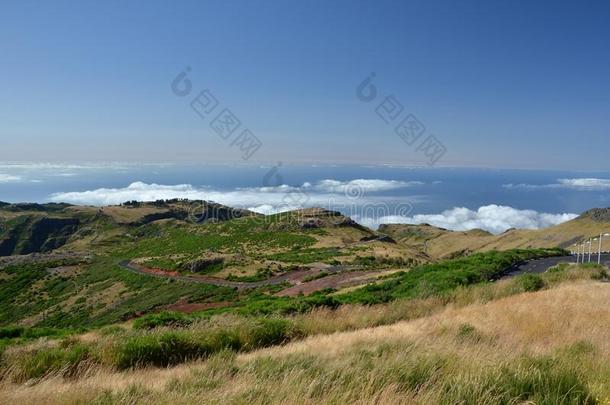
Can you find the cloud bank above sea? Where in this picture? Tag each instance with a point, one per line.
(492, 218)
(345, 196)
(578, 184)
(358, 198)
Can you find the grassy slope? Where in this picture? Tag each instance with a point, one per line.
(226, 330)
(71, 294)
(440, 243)
(550, 347)
(96, 294)
(438, 278)
(100, 292)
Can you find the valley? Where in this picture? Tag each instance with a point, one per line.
(105, 293)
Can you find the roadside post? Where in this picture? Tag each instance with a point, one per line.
(599, 251)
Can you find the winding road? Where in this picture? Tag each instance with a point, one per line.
(293, 275)
(536, 266)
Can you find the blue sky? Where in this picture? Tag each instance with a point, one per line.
(502, 84)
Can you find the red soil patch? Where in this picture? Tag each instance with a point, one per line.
(340, 280)
(156, 271)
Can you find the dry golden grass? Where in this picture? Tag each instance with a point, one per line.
(542, 322)
(361, 366)
(126, 215)
(443, 243)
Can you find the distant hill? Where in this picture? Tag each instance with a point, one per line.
(40, 228)
(66, 264)
(440, 243)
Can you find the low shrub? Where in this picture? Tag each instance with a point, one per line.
(261, 274)
(167, 348)
(468, 333)
(268, 332)
(531, 282)
(67, 361)
(151, 321)
(111, 330)
(561, 267)
(163, 349)
(12, 332)
(600, 274)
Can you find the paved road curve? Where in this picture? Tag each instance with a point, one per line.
(541, 265)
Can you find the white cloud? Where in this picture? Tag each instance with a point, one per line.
(587, 183)
(64, 174)
(582, 184)
(8, 178)
(268, 209)
(135, 191)
(363, 185)
(493, 218)
(326, 194)
(352, 187)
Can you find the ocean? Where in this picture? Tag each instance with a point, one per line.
(455, 198)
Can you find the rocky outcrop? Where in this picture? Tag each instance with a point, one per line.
(200, 265)
(35, 234)
(310, 223)
(379, 238)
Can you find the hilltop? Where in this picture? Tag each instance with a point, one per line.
(439, 243)
(39, 228)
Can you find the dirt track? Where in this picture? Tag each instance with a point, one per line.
(340, 280)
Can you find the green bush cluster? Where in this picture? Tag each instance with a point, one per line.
(229, 235)
(531, 282)
(13, 332)
(267, 305)
(600, 274)
(164, 348)
(66, 361)
(440, 278)
(260, 275)
(161, 348)
(165, 318)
